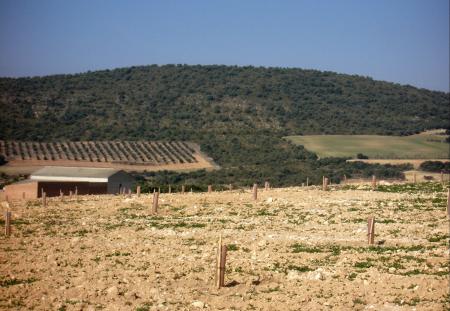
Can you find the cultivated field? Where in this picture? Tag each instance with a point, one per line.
(293, 249)
(128, 155)
(420, 146)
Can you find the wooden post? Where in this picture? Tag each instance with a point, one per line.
(44, 199)
(129, 192)
(345, 179)
(325, 183)
(138, 191)
(191, 190)
(374, 182)
(209, 188)
(170, 189)
(415, 178)
(70, 194)
(61, 195)
(159, 189)
(307, 181)
(182, 189)
(8, 223)
(371, 230)
(266, 186)
(155, 202)
(255, 192)
(448, 202)
(76, 191)
(230, 187)
(221, 261)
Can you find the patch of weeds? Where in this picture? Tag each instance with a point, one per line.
(144, 307)
(352, 276)
(363, 264)
(232, 247)
(437, 238)
(359, 301)
(299, 268)
(11, 282)
(300, 248)
(427, 187)
(385, 221)
(238, 269)
(265, 212)
(117, 253)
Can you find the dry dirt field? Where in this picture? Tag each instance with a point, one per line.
(293, 249)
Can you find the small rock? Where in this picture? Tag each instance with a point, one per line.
(269, 200)
(112, 291)
(198, 304)
(392, 270)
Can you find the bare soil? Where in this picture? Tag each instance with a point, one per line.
(292, 249)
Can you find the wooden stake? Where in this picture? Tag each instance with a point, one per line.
(70, 194)
(155, 202)
(76, 191)
(266, 186)
(44, 199)
(138, 191)
(374, 182)
(182, 189)
(371, 230)
(61, 195)
(448, 202)
(415, 179)
(230, 187)
(255, 192)
(325, 183)
(129, 192)
(307, 181)
(221, 261)
(8, 223)
(345, 179)
(209, 188)
(170, 189)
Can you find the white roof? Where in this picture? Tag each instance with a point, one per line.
(76, 174)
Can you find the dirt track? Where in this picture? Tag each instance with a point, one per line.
(294, 249)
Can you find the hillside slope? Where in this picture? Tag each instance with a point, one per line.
(237, 114)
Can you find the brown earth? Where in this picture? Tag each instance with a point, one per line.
(293, 249)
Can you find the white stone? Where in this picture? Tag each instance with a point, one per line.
(198, 304)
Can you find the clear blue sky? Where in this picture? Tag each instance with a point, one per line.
(403, 41)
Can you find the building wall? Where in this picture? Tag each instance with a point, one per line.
(119, 181)
(21, 191)
(53, 188)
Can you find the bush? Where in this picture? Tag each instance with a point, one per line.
(435, 166)
(361, 156)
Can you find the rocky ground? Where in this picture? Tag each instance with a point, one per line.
(292, 249)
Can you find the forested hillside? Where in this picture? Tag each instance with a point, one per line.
(237, 114)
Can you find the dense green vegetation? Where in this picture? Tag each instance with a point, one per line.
(435, 166)
(237, 114)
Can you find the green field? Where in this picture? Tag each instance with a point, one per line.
(421, 146)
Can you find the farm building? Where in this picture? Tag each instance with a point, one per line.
(53, 180)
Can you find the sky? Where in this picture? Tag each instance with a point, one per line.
(402, 41)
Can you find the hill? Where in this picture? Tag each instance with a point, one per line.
(238, 115)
